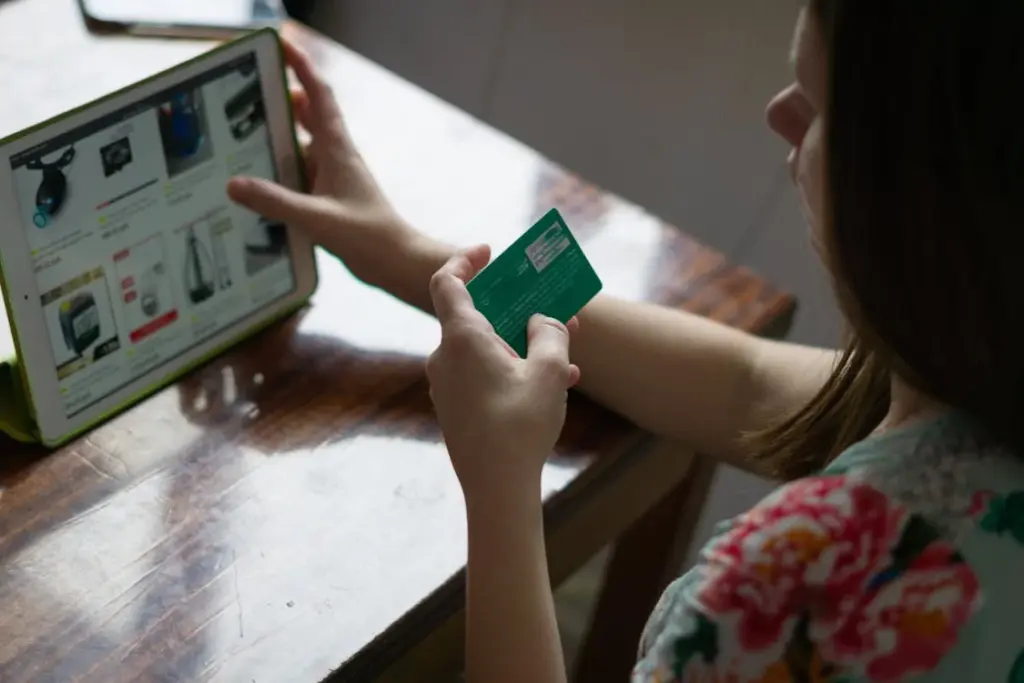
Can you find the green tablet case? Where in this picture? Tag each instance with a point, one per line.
(15, 419)
(16, 414)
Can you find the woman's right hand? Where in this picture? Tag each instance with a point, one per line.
(346, 212)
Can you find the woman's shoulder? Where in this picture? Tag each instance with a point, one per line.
(882, 567)
(945, 471)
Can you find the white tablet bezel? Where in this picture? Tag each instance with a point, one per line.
(22, 295)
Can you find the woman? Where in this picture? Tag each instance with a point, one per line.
(895, 549)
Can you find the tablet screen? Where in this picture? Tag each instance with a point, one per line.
(136, 249)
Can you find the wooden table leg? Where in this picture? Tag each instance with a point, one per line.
(644, 561)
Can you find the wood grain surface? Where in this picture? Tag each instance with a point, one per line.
(289, 508)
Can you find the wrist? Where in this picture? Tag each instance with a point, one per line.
(505, 499)
(412, 258)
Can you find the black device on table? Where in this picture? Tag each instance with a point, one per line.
(183, 18)
(300, 10)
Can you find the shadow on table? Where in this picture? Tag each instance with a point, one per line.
(261, 395)
(277, 406)
(282, 392)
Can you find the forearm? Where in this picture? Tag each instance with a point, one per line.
(511, 631)
(686, 377)
(675, 374)
(420, 257)
(672, 373)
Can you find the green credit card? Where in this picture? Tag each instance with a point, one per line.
(544, 271)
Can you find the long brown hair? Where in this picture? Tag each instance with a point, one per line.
(924, 232)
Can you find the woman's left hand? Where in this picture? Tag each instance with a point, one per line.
(501, 414)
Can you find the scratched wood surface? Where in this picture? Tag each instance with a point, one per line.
(289, 508)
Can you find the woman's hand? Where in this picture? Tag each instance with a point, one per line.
(501, 414)
(345, 212)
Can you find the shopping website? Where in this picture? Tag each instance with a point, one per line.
(136, 249)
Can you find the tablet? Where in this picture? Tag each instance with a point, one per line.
(124, 263)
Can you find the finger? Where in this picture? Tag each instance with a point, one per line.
(547, 342)
(466, 263)
(310, 160)
(300, 107)
(450, 297)
(574, 375)
(573, 325)
(447, 287)
(311, 81)
(324, 111)
(478, 257)
(448, 290)
(273, 201)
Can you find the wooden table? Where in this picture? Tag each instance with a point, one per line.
(289, 509)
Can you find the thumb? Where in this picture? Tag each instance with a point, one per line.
(274, 201)
(547, 342)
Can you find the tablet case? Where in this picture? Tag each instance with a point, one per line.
(15, 418)
(16, 415)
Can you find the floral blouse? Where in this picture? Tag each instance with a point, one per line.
(903, 560)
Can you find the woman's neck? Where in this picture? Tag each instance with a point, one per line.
(908, 405)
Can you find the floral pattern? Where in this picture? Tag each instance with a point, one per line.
(818, 535)
(919, 612)
(1017, 672)
(932, 470)
(1004, 514)
(932, 480)
(828, 579)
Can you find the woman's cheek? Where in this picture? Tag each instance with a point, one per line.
(810, 180)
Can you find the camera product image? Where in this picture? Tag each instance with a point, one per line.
(53, 188)
(181, 126)
(244, 110)
(266, 237)
(220, 258)
(115, 156)
(265, 243)
(198, 269)
(79, 322)
(149, 300)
